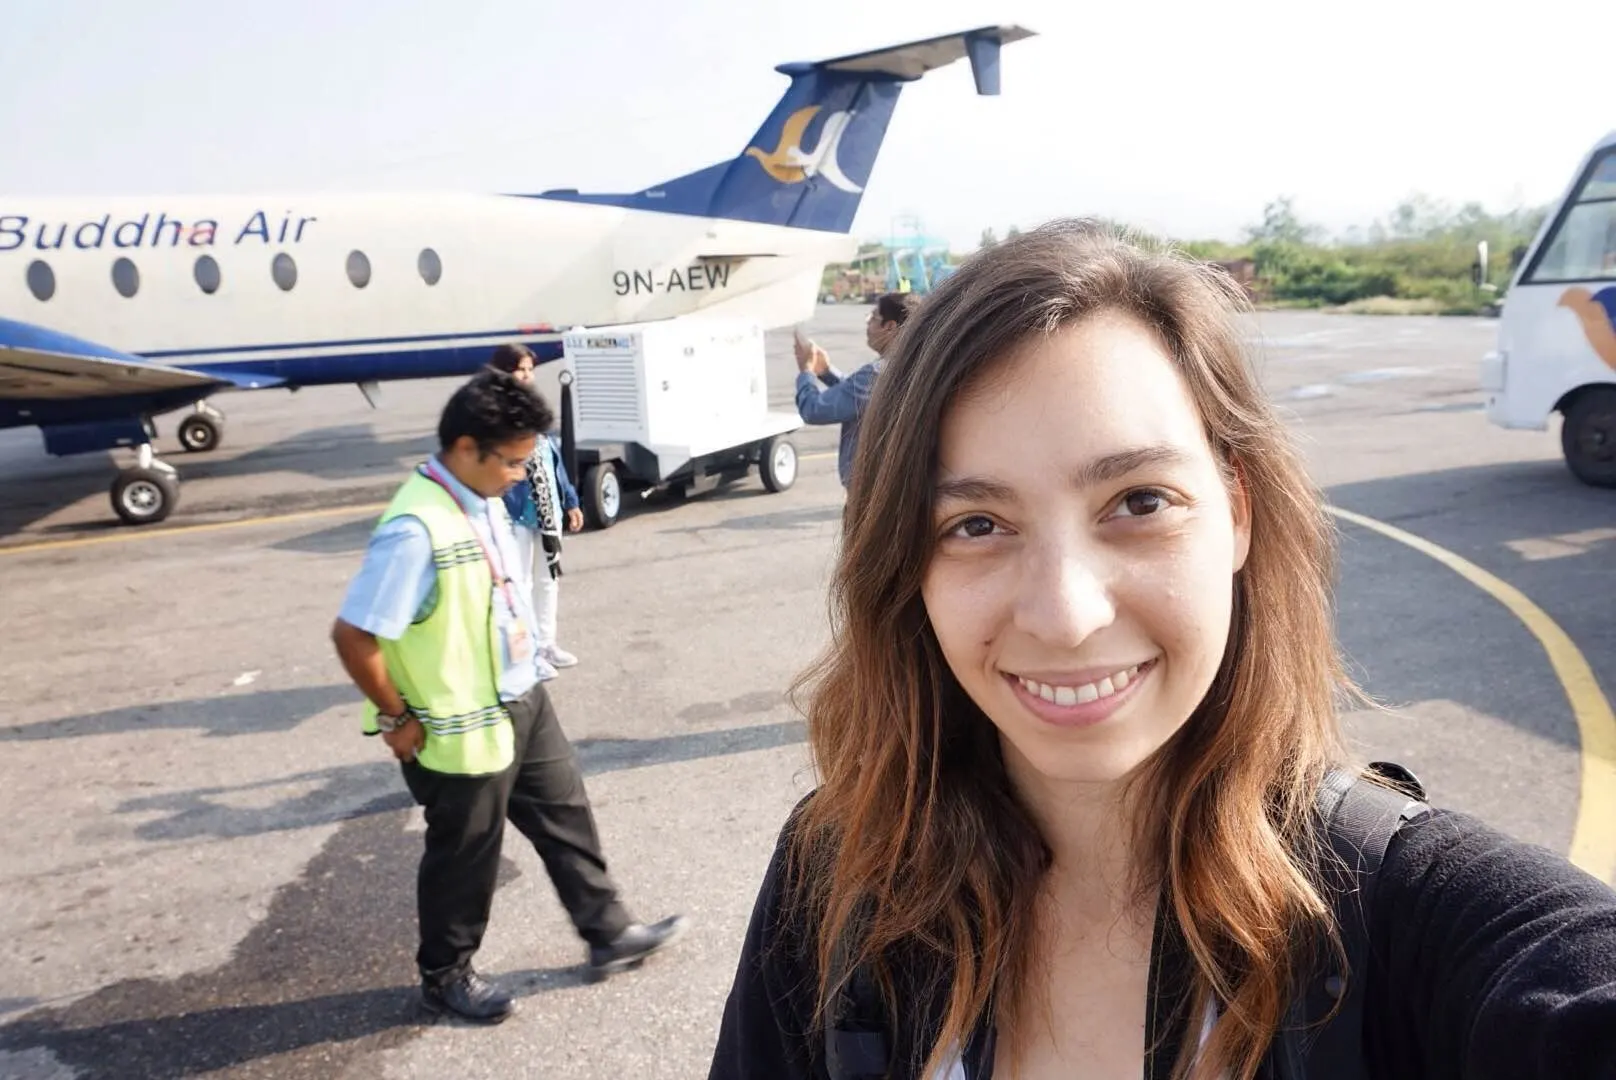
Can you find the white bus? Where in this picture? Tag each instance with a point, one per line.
(1556, 347)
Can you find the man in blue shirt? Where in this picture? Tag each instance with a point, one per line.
(486, 435)
(843, 398)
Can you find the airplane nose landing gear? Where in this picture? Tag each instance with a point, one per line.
(148, 492)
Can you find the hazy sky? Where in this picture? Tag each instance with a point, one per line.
(1183, 117)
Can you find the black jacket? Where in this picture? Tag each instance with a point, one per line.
(1492, 960)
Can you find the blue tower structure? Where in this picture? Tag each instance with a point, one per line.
(916, 262)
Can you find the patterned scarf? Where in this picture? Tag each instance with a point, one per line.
(538, 478)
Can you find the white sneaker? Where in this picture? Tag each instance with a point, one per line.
(546, 671)
(559, 657)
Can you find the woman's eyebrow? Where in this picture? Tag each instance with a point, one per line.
(1112, 467)
(1102, 470)
(973, 489)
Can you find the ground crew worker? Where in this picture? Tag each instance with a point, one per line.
(842, 399)
(439, 639)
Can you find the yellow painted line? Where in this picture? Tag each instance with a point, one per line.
(1593, 839)
(128, 535)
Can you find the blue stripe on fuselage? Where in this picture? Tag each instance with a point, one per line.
(351, 367)
(379, 366)
(341, 343)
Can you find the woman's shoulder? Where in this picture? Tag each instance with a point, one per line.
(1446, 855)
(1490, 950)
(1454, 880)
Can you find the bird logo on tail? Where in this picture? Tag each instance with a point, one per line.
(790, 164)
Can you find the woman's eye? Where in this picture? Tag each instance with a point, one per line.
(974, 526)
(1144, 502)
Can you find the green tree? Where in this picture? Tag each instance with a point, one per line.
(989, 238)
(1281, 225)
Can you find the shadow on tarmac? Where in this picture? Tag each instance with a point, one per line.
(315, 985)
(332, 795)
(222, 715)
(310, 987)
(41, 488)
(1413, 629)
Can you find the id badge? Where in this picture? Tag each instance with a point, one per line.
(521, 643)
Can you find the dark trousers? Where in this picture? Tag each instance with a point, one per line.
(542, 792)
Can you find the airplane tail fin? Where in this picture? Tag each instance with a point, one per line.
(807, 166)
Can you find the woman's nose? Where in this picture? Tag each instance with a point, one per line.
(1063, 596)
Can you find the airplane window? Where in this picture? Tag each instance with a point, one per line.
(41, 280)
(125, 278)
(358, 269)
(284, 270)
(430, 265)
(208, 277)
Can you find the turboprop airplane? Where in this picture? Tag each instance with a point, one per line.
(116, 310)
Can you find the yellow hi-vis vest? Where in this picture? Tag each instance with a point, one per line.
(446, 666)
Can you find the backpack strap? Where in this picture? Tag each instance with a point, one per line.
(1360, 817)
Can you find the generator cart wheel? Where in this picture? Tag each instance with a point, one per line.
(1588, 437)
(778, 463)
(602, 495)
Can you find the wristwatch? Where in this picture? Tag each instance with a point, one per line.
(386, 722)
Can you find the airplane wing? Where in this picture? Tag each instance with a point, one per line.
(37, 364)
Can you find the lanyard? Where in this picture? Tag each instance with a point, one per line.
(494, 565)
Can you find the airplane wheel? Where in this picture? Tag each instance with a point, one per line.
(602, 495)
(199, 433)
(777, 465)
(144, 496)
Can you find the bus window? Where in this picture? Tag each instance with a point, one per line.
(1583, 247)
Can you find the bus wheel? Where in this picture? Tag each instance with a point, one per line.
(1588, 438)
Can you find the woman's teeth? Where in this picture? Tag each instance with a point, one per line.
(1081, 695)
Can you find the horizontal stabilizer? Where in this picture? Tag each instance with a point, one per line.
(912, 60)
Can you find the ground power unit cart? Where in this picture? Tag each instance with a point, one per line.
(680, 405)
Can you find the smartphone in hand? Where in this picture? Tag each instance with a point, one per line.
(801, 345)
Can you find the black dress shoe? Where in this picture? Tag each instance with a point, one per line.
(633, 945)
(469, 997)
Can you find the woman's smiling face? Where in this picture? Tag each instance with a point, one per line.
(1081, 586)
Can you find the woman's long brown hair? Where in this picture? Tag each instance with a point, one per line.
(915, 843)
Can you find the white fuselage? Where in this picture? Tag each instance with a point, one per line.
(506, 268)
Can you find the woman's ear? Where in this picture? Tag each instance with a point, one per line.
(1240, 511)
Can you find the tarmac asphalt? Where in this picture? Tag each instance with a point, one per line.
(212, 873)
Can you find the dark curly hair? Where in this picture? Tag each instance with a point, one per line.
(493, 408)
(897, 307)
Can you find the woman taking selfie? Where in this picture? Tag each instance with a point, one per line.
(1084, 806)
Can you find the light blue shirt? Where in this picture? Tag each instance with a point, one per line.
(398, 585)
